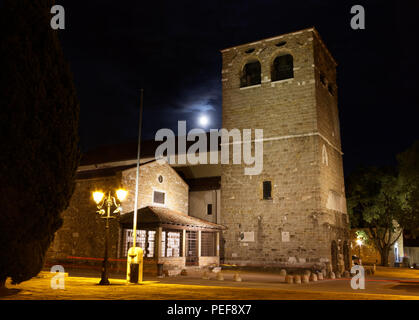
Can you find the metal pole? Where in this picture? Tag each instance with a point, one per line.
(138, 172)
(104, 278)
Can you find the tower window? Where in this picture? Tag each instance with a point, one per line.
(251, 74)
(267, 190)
(209, 209)
(331, 90)
(283, 68)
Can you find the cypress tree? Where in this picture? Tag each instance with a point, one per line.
(39, 132)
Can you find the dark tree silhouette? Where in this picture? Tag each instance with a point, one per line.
(39, 132)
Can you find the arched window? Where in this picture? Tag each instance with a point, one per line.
(251, 74)
(282, 68)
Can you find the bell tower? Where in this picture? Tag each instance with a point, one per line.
(294, 212)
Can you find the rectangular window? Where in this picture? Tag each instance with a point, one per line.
(173, 244)
(144, 240)
(158, 197)
(150, 244)
(208, 244)
(209, 209)
(267, 190)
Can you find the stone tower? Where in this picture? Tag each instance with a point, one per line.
(294, 212)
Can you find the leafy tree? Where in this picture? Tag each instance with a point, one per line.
(39, 148)
(408, 164)
(376, 201)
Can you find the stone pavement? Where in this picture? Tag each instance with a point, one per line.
(387, 284)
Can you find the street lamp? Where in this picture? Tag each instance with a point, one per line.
(108, 201)
(359, 242)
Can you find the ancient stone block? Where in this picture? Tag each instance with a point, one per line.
(220, 276)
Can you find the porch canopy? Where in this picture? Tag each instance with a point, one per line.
(153, 216)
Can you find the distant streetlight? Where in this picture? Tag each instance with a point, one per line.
(359, 243)
(108, 202)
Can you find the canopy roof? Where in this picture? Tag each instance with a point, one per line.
(160, 216)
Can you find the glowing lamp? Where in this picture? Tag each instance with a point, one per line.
(121, 194)
(98, 196)
(359, 242)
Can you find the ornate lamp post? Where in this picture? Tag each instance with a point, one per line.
(108, 201)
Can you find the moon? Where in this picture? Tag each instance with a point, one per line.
(203, 121)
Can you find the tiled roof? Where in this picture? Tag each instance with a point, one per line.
(106, 172)
(162, 215)
(128, 151)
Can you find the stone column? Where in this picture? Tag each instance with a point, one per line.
(217, 244)
(184, 243)
(198, 243)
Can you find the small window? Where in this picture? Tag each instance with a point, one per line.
(251, 74)
(283, 68)
(158, 197)
(331, 89)
(160, 179)
(267, 190)
(209, 208)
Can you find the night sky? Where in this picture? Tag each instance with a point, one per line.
(171, 49)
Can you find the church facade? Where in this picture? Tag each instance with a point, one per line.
(292, 214)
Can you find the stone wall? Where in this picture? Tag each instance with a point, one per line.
(173, 186)
(208, 261)
(198, 201)
(413, 254)
(83, 231)
(307, 209)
